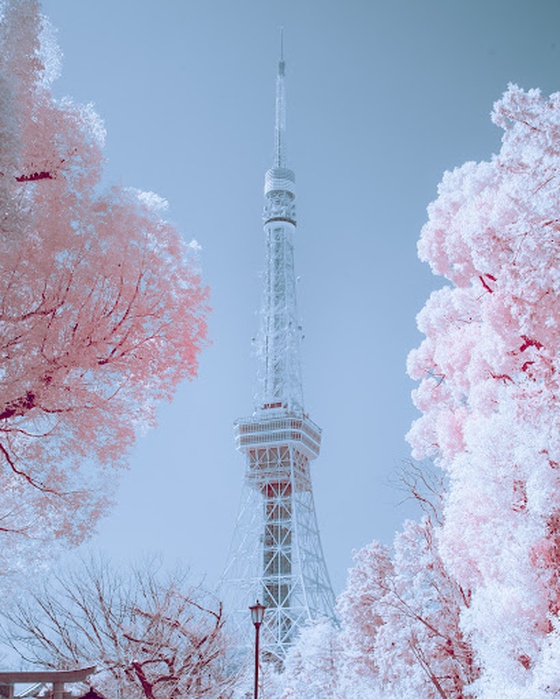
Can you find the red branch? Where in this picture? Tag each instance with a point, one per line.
(40, 486)
(528, 342)
(484, 284)
(43, 175)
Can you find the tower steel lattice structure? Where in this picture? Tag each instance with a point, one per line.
(276, 553)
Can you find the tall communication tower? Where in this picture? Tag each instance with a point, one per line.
(277, 555)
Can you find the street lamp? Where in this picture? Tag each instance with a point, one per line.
(257, 616)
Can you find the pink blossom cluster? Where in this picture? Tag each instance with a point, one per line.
(489, 390)
(102, 310)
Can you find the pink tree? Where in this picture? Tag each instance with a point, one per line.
(421, 648)
(489, 391)
(359, 607)
(400, 634)
(312, 665)
(400, 622)
(102, 311)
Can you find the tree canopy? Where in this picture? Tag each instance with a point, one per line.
(102, 308)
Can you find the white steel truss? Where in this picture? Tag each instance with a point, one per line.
(276, 554)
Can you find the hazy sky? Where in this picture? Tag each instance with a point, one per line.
(382, 98)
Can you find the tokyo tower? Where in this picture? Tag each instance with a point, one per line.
(276, 553)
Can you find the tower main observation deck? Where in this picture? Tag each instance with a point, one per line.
(276, 554)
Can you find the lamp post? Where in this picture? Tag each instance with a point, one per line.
(257, 616)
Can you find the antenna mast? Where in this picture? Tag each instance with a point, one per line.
(280, 126)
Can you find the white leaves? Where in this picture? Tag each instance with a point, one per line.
(152, 201)
(493, 344)
(50, 51)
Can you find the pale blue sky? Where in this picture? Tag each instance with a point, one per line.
(382, 98)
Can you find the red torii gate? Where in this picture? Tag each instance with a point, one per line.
(57, 678)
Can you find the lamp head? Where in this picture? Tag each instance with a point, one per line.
(257, 613)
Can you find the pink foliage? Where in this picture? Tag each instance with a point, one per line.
(489, 388)
(312, 665)
(102, 310)
(358, 606)
(400, 630)
(401, 619)
(343, 663)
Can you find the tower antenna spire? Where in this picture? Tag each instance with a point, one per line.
(280, 126)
